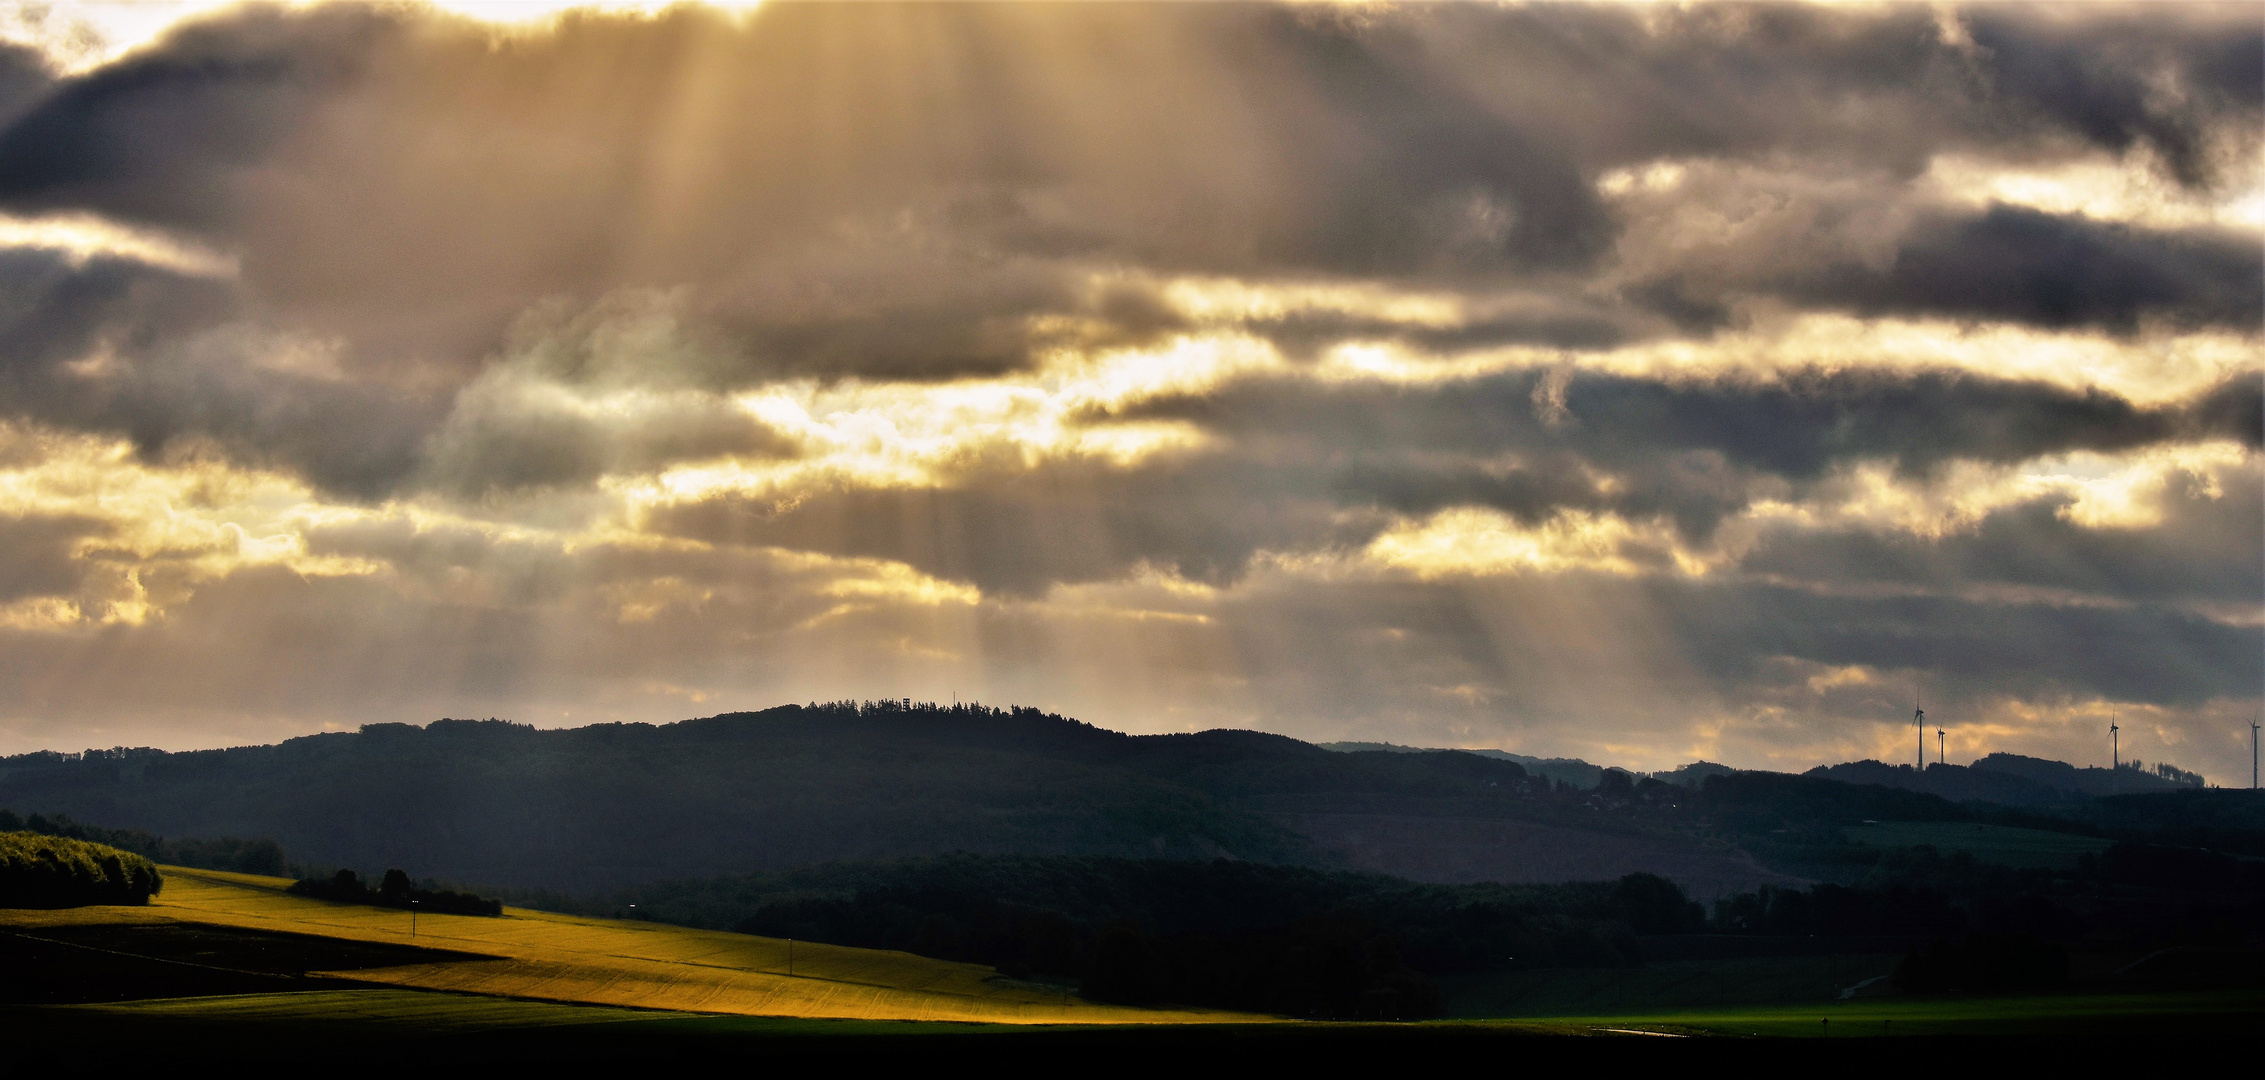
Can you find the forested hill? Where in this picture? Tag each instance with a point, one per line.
(501, 803)
(491, 803)
(2014, 780)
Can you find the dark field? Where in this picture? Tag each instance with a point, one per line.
(75, 964)
(352, 1028)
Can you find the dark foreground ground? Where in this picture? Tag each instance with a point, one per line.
(387, 1034)
(101, 1000)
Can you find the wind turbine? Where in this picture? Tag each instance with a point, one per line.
(1919, 719)
(1939, 758)
(2253, 755)
(2115, 751)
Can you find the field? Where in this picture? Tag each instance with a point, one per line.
(1463, 850)
(351, 1029)
(2202, 1013)
(561, 958)
(1764, 980)
(231, 967)
(2004, 845)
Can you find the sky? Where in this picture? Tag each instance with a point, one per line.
(1642, 383)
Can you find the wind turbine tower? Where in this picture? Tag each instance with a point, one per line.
(2253, 755)
(1939, 758)
(1919, 720)
(2115, 749)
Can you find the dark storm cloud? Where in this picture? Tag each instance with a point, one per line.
(1303, 335)
(1974, 649)
(923, 193)
(38, 554)
(2147, 76)
(171, 371)
(915, 192)
(165, 134)
(2057, 271)
(1794, 426)
(1022, 533)
(1305, 467)
(23, 78)
(55, 309)
(2205, 551)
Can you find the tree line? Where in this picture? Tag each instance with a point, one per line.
(262, 856)
(40, 871)
(394, 890)
(1228, 934)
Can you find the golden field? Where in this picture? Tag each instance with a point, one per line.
(548, 957)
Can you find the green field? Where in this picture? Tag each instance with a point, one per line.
(234, 966)
(1767, 980)
(343, 1028)
(2001, 844)
(2202, 1012)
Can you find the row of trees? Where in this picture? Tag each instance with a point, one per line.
(39, 871)
(1221, 933)
(395, 890)
(262, 856)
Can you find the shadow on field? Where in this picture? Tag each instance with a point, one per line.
(381, 1029)
(81, 964)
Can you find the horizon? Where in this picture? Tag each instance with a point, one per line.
(931, 706)
(1640, 384)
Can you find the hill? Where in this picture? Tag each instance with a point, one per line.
(2014, 780)
(242, 929)
(1572, 771)
(493, 803)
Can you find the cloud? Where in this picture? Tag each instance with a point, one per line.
(24, 76)
(2128, 79)
(399, 179)
(1697, 449)
(2054, 271)
(2199, 552)
(40, 550)
(1585, 378)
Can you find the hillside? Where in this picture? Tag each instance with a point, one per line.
(243, 928)
(502, 804)
(2013, 780)
(489, 803)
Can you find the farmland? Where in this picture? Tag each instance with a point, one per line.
(2200, 1012)
(2001, 844)
(561, 958)
(253, 966)
(1720, 983)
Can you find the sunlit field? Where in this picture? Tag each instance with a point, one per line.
(560, 958)
(561, 987)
